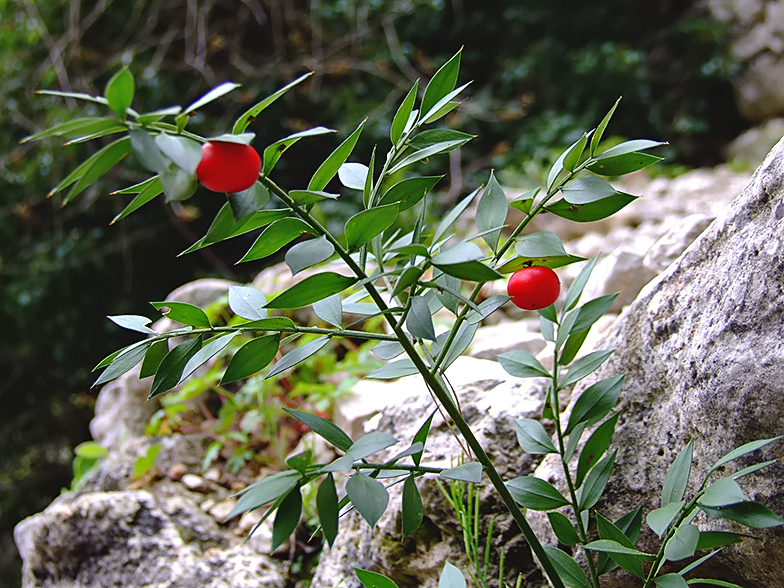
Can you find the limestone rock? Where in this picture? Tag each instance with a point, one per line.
(757, 41)
(702, 353)
(132, 538)
(750, 148)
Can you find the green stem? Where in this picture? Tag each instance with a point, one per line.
(440, 391)
(554, 405)
(685, 512)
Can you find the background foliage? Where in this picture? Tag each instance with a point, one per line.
(541, 71)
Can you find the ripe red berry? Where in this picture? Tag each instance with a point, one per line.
(532, 288)
(228, 167)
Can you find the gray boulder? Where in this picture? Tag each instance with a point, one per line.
(701, 348)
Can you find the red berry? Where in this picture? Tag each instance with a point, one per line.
(228, 167)
(532, 288)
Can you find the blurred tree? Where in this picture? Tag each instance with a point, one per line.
(541, 71)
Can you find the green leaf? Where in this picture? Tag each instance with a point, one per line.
(609, 546)
(146, 151)
(433, 136)
(265, 491)
(491, 212)
(407, 278)
(133, 322)
(683, 543)
(541, 245)
(396, 369)
(275, 323)
(584, 366)
(587, 189)
(312, 289)
(330, 310)
(373, 579)
(468, 472)
(308, 197)
(93, 168)
(522, 364)
(623, 164)
(409, 192)
(597, 136)
(629, 147)
(678, 476)
(308, 253)
(714, 539)
(572, 157)
(300, 461)
(119, 92)
(447, 294)
(330, 167)
(172, 365)
(424, 153)
(387, 350)
(578, 285)
(460, 253)
(370, 444)
(274, 152)
(722, 492)
(743, 450)
(608, 531)
(413, 512)
(670, 581)
(419, 323)
(574, 438)
(442, 83)
(249, 201)
(443, 107)
(453, 215)
(213, 94)
(240, 139)
(563, 528)
(595, 447)
(592, 311)
(712, 582)
(184, 313)
(403, 114)
(247, 302)
(123, 362)
(751, 514)
(421, 437)
(486, 308)
(463, 339)
(153, 358)
(593, 211)
(298, 355)
(558, 166)
(596, 481)
(595, 402)
(148, 118)
(536, 494)
(365, 225)
(533, 438)
(659, 520)
(324, 428)
(570, 572)
(250, 115)
(451, 577)
(353, 175)
(177, 184)
(287, 517)
(629, 524)
(183, 152)
(76, 128)
(276, 236)
(368, 496)
(207, 352)
(147, 194)
(251, 358)
(328, 508)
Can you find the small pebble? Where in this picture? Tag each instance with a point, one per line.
(194, 483)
